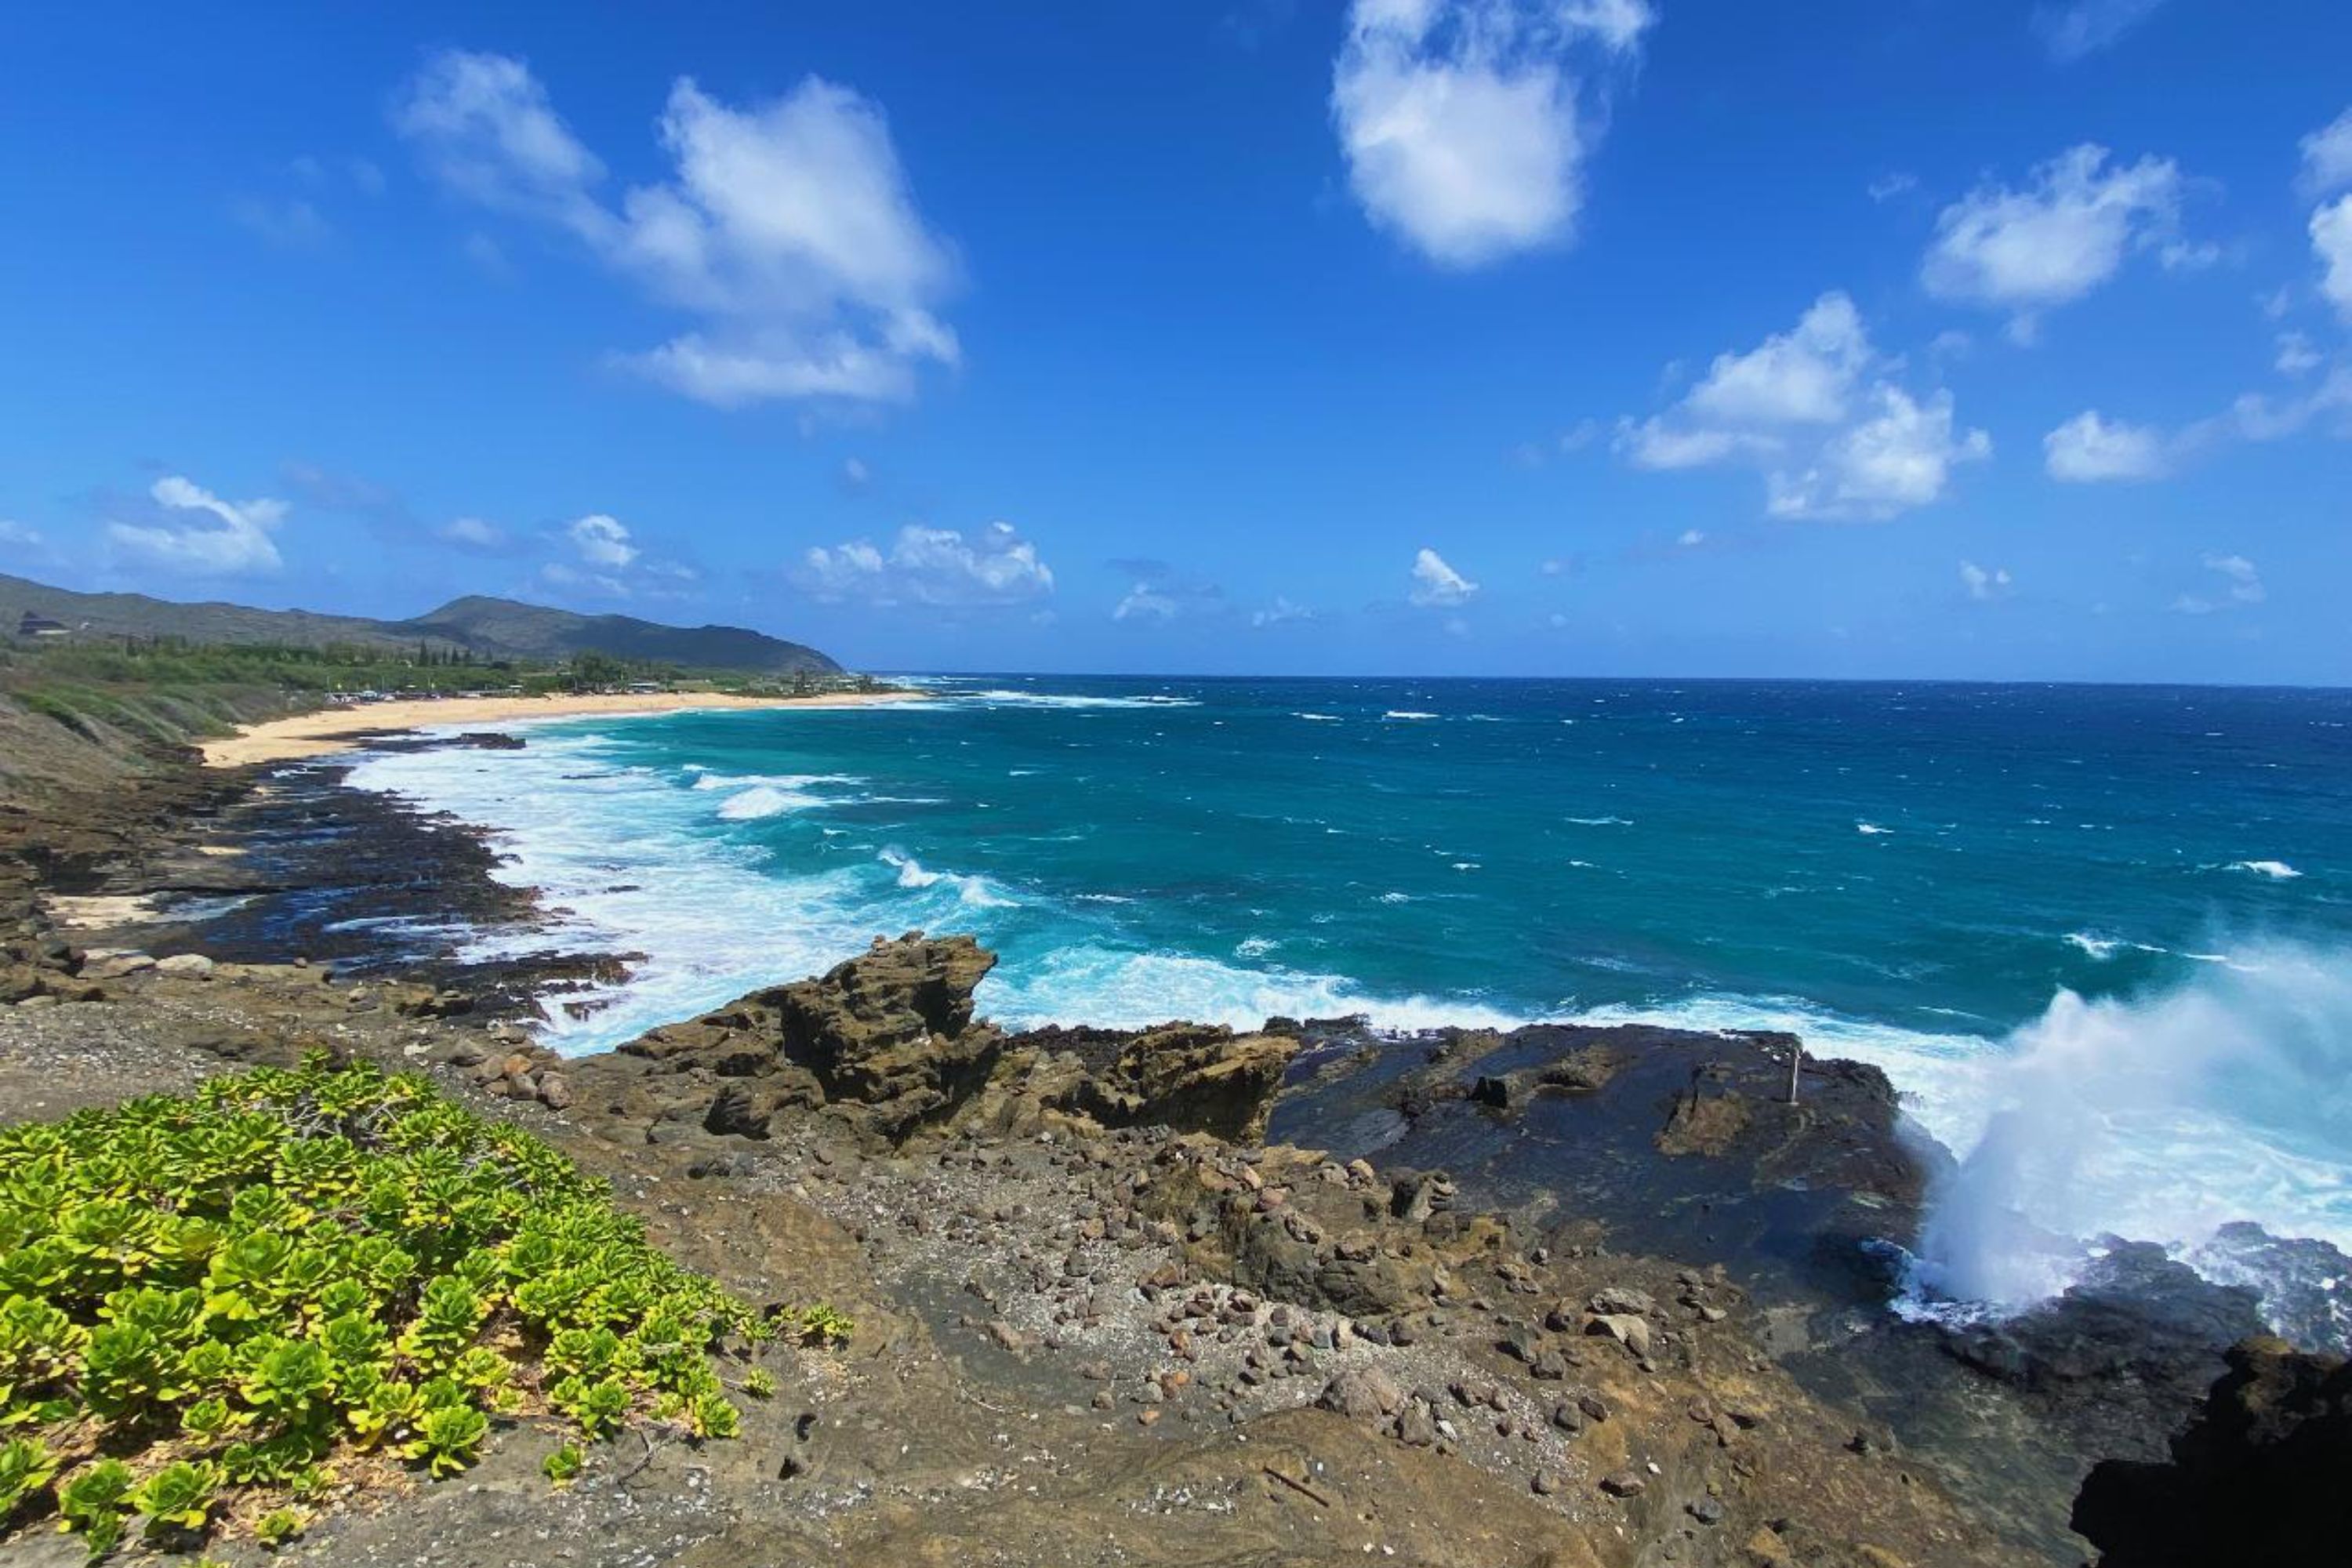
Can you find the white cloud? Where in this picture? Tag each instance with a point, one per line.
(1143, 602)
(932, 566)
(1653, 443)
(1816, 408)
(222, 539)
(2090, 449)
(1886, 188)
(2057, 239)
(1983, 582)
(1460, 120)
(2241, 585)
(1436, 584)
(1691, 538)
(1803, 377)
(474, 533)
(854, 473)
(2295, 355)
(603, 540)
(17, 535)
(1900, 458)
(2331, 240)
(2080, 28)
(2327, 156)
(1280, 613)
(787, 229)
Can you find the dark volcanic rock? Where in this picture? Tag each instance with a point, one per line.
(2259, 1478)
(892, 1030)
(1676, 1142)
(2123, 1356)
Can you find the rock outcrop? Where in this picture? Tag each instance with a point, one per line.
(887, 1043)
(2259, 1477)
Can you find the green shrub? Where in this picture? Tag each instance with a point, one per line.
(209, 1304)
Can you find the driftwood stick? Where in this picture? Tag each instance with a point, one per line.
(1301, 1488)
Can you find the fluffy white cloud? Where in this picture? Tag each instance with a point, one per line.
(933, 566)
(1460, 119)
(1984, 583)
(2058, 238)
(1817, 410)
(201, 534)
(1436, 584)
(1900, 458)
(787, 229)
(2090, 449)
(2241, 585)
(603, 540)
(2080, 28)
(1804, 376)
(2331, 241)
(2327, 156)
(19, 536)
(1280, 613)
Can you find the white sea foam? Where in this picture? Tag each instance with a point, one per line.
(2099, 947)
(1404, 713)
(765, 800)
(2278, 871)
(706, 779)
(1318, 717)
(974, 892)
(2158, 1119)
(1602, 821)
(1118, 988)
(1001, 699)
(1871, 827)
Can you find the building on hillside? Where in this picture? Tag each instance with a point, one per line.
(40, 627)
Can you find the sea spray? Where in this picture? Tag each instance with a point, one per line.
(2160, 1117)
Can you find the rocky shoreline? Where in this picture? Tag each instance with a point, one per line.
(1303, 1294)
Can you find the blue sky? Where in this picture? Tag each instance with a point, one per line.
(1859, 337)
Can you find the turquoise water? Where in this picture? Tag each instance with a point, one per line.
(2014, 897)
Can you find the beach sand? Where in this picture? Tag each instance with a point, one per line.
(340, 729)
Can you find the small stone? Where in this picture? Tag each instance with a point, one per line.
(1623, 1483)
(1706, 1510)
(1544, 1483)
(1007, 1336)
(191, 965)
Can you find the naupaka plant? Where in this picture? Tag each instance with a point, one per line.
(212, 1307)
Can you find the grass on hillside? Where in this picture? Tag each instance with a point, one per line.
(217, 1309)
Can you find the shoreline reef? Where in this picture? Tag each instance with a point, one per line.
(328, 731)
(1185, 1294)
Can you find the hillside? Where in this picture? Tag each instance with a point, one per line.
(509, 629)
(493, 628)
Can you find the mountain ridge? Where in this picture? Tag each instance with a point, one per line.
(476, 623)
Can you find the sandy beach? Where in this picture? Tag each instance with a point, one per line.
(332, 730)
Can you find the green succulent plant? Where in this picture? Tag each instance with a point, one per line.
(222, 1291)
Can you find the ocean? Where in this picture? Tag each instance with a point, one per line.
(2100, 937)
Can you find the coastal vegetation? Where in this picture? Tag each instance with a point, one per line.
(217, 1309)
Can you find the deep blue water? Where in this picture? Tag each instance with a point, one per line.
(1912, 873)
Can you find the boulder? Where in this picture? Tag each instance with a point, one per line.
(1192, 1079)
